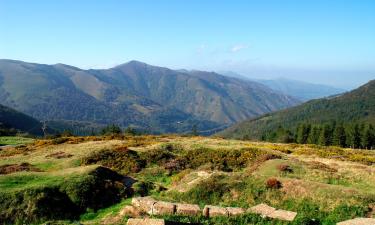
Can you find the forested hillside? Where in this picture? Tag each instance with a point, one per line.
(12, 122)
(135, 94)
(320, 121)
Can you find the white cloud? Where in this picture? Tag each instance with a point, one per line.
(238, 47)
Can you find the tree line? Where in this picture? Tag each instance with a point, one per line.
(348, 135)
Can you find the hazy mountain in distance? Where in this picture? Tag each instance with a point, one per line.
(302, 90)
(354, 106)
(153, 98)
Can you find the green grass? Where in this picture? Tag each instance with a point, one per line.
(96, 216)
(11, 140)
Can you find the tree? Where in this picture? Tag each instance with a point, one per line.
(339, 136)
(130, 131)
(355, 137)
(325, 137)
(303, 132)
(194, 130)
(314, 135)
(284, 136)
(111, 129)
(368, 139)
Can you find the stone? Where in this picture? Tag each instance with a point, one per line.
(145, 221)
(188, 209)
(129, 210)
(235, 211)
(283, 215)
(358, 221)
(163, 208)
(212, 211)
(144, 204)
(263, 209)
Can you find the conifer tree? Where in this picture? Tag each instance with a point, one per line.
(339, 136)
(368, 138)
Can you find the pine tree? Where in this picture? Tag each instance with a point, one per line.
(314, 135)
(339, 136)
(325, 137)
(368, 138)
(355, 137)
(303, 132)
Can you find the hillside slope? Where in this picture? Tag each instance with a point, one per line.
(355, 106)
(11, 119)
(134, 93)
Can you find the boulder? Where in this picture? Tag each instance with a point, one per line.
(163, 208)
(212, 211)
(283, 215)
(263, 209)
(234, 211)
(145, 221)
(144, 204)
(188, 209)
(358, 221)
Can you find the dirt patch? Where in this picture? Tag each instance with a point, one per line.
(13, 168)
(321, 166)
(59, 155)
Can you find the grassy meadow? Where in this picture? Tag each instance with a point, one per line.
(82, 177)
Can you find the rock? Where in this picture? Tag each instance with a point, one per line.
(129, 210)
(283, 215)
(234, 211)
(211, 211)
(358, 221)
(188, 209)
(145, 222)
(163, 208)
(144, 204)
(263, 209)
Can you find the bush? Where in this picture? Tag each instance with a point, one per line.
(121, 159)
(273, 183)
(284, 168)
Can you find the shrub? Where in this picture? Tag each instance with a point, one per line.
(273, 183)
(284, 168)
(121, 159)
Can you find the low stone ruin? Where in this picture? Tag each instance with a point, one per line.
(145, 221)
(153, 207)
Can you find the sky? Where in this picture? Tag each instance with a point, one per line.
(319, 41)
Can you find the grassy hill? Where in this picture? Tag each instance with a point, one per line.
(355, 106)
(134, 94)
(12, 121)
(90, 180)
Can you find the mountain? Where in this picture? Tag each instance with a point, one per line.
(153, 98)
(301, 90)
(355, 106)
(13, 121)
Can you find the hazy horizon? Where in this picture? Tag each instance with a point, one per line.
(321, 42)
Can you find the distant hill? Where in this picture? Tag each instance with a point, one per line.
(135, 94)
(355, 106)
(13, 121)
(304, 91)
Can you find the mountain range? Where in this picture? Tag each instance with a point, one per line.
(357, 106)
(301, 90)
(136, 94)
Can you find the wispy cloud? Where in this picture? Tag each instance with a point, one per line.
(238, 47)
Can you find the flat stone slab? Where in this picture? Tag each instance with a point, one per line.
(144, 204)
(358, 221)
(235, 211)
(188, 209)
(164, 208)
(283, 215)
(263, 209)
(212, 211)
(145, 222)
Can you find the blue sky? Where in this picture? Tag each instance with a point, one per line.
(320, 41)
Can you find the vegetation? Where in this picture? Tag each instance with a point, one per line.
(323, 184)
(320, 117)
